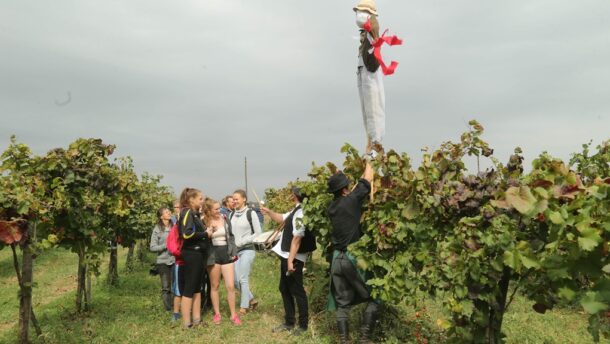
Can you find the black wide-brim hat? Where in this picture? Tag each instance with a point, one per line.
(337, 182)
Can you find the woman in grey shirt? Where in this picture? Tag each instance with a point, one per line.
(165, 261)
(246, 227)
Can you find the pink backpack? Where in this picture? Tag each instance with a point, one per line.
(174, 242)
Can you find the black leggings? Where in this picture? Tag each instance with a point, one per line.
(193, 271)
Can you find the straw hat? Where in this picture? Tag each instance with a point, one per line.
(367, 6)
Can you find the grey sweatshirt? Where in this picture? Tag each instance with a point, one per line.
(241, 228)
(158, 244)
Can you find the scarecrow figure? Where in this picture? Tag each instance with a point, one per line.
(370, 69)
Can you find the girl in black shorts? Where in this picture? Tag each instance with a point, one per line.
(194, 251)
(220, 260)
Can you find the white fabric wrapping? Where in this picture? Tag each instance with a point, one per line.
(372, 102)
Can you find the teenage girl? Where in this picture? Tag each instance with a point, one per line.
(194, 251)
(244, 237)
(220, 260)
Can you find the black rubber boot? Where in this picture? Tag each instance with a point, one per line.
(367, 327)
(343, 327)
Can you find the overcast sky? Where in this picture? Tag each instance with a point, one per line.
(189, 88)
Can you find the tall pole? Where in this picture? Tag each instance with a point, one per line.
(246, 173)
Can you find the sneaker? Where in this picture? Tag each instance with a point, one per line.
(176, 316)
(298, 331)
(253, 304)
(216, 319)
(282, 328)
(235, 319)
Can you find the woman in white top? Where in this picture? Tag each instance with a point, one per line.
(220, 259)
(246, 227)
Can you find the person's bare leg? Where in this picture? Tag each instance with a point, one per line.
(228, 275)
(197, 307)
(177, 300)
(185, 308)
(214, 273)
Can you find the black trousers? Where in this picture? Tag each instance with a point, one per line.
(165, 273)
(291, 288)
(349, 289)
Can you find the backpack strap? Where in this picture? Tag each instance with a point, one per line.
(249, 217)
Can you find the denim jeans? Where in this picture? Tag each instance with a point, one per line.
(243, 265)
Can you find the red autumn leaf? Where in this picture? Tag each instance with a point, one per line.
(569, 191)
(11, 231)
(542, 183)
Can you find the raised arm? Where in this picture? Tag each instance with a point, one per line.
(277, 217)
(368, 171)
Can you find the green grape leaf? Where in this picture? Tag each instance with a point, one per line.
(589, 239)
(556, 218)
(590, 303)
(566, 293)
(529, 262)
(512, 260)
(521, 199)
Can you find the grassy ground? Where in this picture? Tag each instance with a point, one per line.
(132, 312)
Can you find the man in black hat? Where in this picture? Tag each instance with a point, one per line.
(348, 284)
(292, 248)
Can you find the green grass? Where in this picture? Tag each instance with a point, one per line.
(132, 311)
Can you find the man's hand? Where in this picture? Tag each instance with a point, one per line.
(291, 268)
(264, 210)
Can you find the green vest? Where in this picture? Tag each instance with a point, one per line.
(331, 304)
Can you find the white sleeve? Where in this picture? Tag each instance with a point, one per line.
(298, 229)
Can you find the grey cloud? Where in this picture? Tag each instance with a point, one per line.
(189, 88)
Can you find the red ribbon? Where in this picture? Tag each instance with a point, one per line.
(389, 40)
(367, 26)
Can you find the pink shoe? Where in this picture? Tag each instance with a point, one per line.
(216, 319)
(235, 320)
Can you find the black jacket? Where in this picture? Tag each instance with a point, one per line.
(192, 229)
(344, 213)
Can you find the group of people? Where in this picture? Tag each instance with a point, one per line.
(217, 241)
(218, 238)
